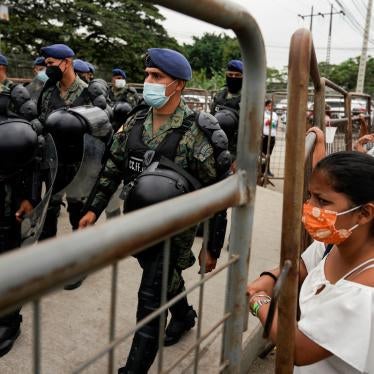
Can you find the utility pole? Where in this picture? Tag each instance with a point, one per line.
(311, 15)
(328, 54)
(364, 51)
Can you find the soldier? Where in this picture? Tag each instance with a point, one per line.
(120, 92)
(168, 132)
(91, 74)
(64, 89)
(18, 149)
(228, 101)
(5, 83)
(82, 69)
(39, 65)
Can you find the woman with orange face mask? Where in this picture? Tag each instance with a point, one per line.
(335, 333)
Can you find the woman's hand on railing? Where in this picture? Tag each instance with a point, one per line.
(359, 145)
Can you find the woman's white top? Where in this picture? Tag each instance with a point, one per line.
(340, 318)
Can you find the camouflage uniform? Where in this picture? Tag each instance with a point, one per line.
(6, 85)
(66, 170)
(125, 94)
(194, 154)
(71, 95)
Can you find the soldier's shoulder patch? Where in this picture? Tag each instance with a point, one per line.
(203, 151)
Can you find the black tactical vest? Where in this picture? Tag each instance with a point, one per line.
(137, 151)
(56, 102)
(221, 101)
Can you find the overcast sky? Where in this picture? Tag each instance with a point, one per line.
(278, 20)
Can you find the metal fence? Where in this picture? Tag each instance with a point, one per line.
(51, 264)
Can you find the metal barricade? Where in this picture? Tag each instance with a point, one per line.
(51, 264)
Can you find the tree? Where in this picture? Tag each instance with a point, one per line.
(212, 52)
(107, 33)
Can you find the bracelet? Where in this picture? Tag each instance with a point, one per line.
(271, 275)
(255, 308)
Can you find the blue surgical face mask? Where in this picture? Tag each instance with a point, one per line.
(154, 94)
(42, 76)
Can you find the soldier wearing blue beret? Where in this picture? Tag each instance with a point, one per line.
(82, 69)
(39, 65)
(163, 132)
(5, 83)
(63, 89)
(227, 100)
(91, 74)
(120, 92)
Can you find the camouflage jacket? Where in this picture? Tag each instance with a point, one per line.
(125, 94)
(73, 92)
(194, 153)
(6, 85)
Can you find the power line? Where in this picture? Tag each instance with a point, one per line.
(311, 16)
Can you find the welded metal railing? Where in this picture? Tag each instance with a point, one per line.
(53, 263)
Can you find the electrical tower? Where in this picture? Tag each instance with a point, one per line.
(364, 51)
(328, 53)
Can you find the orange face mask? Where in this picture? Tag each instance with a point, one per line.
(320, 224)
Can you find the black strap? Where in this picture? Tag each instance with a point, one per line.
(327, 250)
(168, 147)
(173, 166)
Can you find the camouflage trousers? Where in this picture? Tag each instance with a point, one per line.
(181, 258)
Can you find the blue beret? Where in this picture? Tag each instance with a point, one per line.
(59, 51)
(80, 66)
(117, 71)
(235, 65)
(90, 66)
(169, 61)
(3, 60)
(39, 61)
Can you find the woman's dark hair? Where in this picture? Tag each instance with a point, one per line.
(351, 173)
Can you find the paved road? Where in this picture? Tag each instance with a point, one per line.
(75, 323)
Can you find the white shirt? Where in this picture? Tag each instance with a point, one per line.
(274, 123)
(340, 318)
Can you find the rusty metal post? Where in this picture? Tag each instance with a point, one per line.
(300, 65)
(319, 106)
(348, 113)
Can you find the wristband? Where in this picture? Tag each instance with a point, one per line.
(271, 275)
(255, 307)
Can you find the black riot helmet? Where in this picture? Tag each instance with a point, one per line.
(228, 121)
(120, 113)
(64, 126)
(18, 145)
(156, 184)
(67, 131)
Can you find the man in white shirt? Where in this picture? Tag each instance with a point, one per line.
(270, 128)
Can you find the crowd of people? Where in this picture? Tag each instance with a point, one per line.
(149, 139)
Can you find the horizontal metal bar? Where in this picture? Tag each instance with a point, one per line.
(197, 343)
(52, 263)
(154, 314)
(336, 87)
(223, 366)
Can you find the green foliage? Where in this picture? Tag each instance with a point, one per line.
(107, 33)
(345, 74)
(200, 80)
(211, 53)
